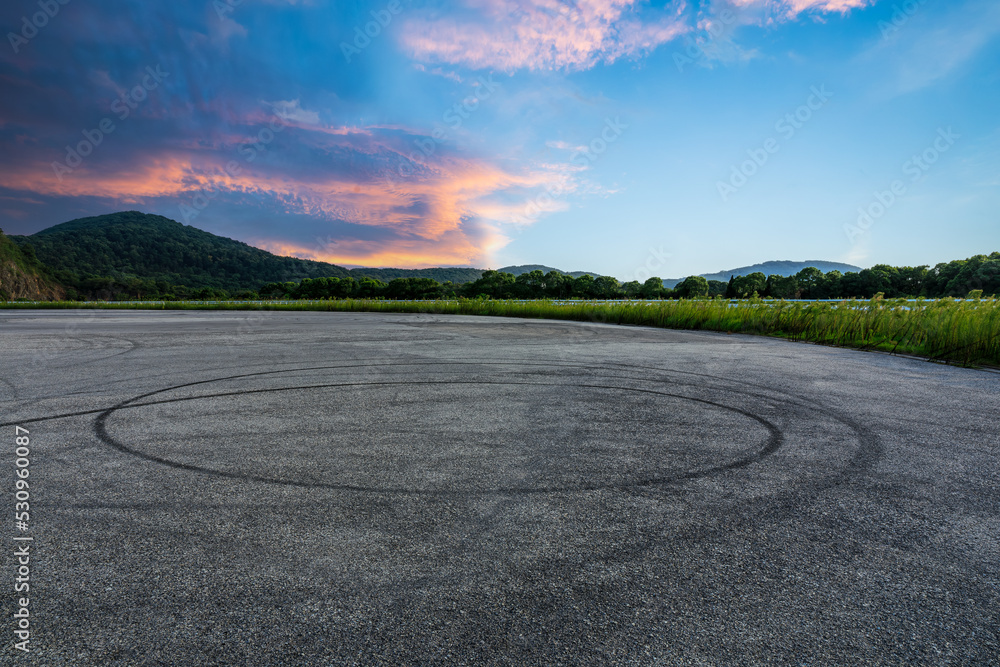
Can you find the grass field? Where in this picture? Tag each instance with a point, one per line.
(966, 332)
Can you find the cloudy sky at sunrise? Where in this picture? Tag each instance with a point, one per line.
(600, 135)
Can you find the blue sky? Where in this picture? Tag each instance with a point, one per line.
(623, 137)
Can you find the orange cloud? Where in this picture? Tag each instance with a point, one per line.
(456, 251)
(155, 176)
(448, 210)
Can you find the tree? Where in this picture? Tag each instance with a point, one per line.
(631, 289)
(557, 285)
(605, 287)
(941, 279)
(880, 278)
(988, 275)
(345, 288)
(315, 288)
(746, 286)
(692, 287)
(493, 285)
(583, 286)
(717, 288)
(652, 288)
(831, 287)
(782, 287)
(413, 288)
(910, 281)
(369, 288)
(975, 273)
(810, 281)
(530, 285)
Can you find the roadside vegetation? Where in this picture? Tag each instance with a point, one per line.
(906, 310)
(966, 332)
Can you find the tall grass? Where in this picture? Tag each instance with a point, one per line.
(965, 332)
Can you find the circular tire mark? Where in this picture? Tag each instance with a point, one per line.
(869, 452)
(774, 441)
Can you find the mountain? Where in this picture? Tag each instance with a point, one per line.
(22, 276)
(127, 244)
(151, 246)
(528, 268)
(779, 268)
(130, 244)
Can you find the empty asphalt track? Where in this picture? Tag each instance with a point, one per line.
(338, 488)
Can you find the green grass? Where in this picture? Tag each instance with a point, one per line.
(965, 332)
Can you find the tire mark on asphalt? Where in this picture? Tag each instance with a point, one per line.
(789, 399)
(774, 442)
(380, 363)
(864, 458)
(761, 512)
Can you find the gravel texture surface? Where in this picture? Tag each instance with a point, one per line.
(335, 488)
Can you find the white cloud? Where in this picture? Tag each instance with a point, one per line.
(292, 110)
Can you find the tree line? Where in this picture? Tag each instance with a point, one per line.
(955, 279)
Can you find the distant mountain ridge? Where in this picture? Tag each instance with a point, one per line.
(778, 268)
(152, 247)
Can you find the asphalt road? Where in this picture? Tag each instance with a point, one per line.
(335, 488)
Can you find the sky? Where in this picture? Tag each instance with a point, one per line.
(622, 137)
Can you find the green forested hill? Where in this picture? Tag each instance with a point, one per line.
(153, 247)
(22, 276)
(130, 245)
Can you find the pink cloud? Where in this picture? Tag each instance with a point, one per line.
(541, 34)
(553, 34)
